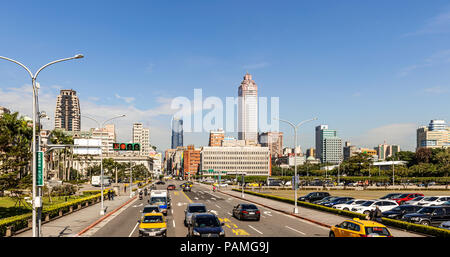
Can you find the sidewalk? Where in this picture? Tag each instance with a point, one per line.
(314, 216)
(71, 224)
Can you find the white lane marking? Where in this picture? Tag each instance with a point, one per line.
(171, 211)
(218, 206)
(295, 230)
(173, 221)
(229, 213)
(267, 213)
(208, 200)
(133, 229)
(213, 211)
(196, 198)
(255, 229)
(212, 198)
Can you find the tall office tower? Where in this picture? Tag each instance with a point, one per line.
(68, 114)
(328, 145)
(141, 135)
(273, 140)
(311, 152)
(177, 133)
(216, 137)
(248, 110)
(436, 135)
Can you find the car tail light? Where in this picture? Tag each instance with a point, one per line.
(246, 212)
(258, 212)
(363, 235)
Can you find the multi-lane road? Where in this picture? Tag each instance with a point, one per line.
(271, 224)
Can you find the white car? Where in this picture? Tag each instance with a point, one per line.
(383, 205)
(347, 206)
(414, 201)
(434, 200)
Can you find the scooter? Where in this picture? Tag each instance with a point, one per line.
(140, 196)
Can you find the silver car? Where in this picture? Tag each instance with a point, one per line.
(191, 209)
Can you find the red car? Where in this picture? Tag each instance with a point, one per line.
(171, 187)
(406, 197)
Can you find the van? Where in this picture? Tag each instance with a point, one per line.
(160, 198)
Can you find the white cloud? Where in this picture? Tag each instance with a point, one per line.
(439, 58)
(436, 90)
(403, 134)
(435, 25)
(126, 99)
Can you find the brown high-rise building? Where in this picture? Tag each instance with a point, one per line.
(216, 137)
(273, 140)
(68, 114)
(191, 161)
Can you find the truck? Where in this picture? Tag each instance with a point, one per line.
(96, 181)
(161, 199)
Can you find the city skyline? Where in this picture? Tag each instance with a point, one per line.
(297, 56)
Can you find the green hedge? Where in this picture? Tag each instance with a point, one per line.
(21, 221)
(429, 230)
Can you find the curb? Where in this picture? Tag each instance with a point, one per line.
(285, 212)
(104, 217)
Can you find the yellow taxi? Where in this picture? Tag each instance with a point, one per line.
(253, 185)
(359, 228)
(153, 224)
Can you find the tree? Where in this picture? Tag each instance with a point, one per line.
(15, 152)
(423, 155)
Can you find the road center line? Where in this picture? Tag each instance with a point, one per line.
(295, 230)
(133, 229)
(255, 229)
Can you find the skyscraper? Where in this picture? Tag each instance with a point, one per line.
(141, 135)
(328, 145)
(68, 114)
(177, 133)
(436, 135)
(248, 109)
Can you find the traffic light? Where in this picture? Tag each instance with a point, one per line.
(126, 147)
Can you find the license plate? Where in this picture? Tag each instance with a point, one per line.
(152, 233)
(251, 213)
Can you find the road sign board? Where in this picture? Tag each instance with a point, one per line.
(40, 168)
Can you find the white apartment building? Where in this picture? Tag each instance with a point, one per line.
(108, 137)
(254, 161)
(141, 135)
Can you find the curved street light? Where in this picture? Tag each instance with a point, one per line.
(102, 208)
(36, 219)
(295, 127)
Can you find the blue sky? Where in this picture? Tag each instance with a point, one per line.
(373, 70)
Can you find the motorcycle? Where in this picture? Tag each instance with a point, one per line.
(140, 196)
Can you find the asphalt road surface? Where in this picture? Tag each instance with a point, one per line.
(271, 224)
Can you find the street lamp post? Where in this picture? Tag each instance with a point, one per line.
(37, 203)
(102, 208)
(295, 127)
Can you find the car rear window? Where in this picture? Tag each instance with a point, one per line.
(150, 209)
(197, 209)
(377, 231)
(249, 207)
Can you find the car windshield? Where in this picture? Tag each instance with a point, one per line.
(360, 202)
(206, 222)
(150, 209)
(389, 196)
(431, 198)
(158, 200)
(249, 207)
(368, 203)
(349, 202)
(417, 199)
(197, 209)
(402, 196)
(426, 210)
(152, 219)
(398, 208)
(377, 231)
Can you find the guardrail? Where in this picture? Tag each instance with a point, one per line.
(428, 230)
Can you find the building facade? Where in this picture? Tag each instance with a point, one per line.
(191, 161)
(273, 140)
(328, 145)
(248, 109)
(141, 135)
(216, 137)
(68, 113)
(349, 150)
(254, 161)
(177, 133)
(435, 135)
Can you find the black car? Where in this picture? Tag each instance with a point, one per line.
(205, 225)
(399, 211)
(325, 199)
(430, 215)
(390, 196)
(337, 200)
(160, 183)
(246, 211)
(313, 196)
